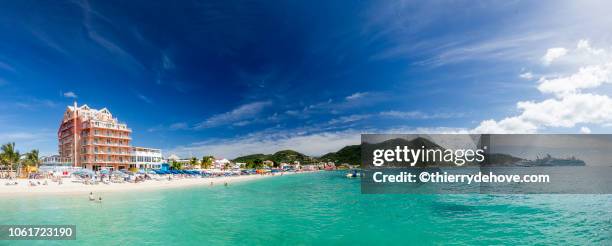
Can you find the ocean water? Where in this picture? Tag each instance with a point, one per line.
(315, 209)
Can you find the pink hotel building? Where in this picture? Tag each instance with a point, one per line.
(93, 139)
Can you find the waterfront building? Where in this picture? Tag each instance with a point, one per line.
(94, 139)
(221, 163)
(53, 159)
(268, 163)
(175, 158)
(146, 158)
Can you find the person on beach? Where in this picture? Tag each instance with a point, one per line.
(91, 196)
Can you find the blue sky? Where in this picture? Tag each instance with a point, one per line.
(233, 78)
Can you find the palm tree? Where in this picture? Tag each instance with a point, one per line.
(193, 162)
(9, 155)
(176, 165)
(207, 161)
(31, 159)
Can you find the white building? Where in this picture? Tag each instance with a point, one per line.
(146, 158)
(175, 158)
(220, 163)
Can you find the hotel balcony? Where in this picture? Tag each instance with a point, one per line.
(124, 145)
(106, 162)
(110, 136)
(107, 153)
(106, 125)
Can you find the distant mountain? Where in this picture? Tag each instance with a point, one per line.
(247, 158)
(349, 154)
(288, 156)
(352, 154)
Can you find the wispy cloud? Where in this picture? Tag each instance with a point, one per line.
(120, 55)
(244, 112)
(526, 75)
(31, 103)
(7, 67)
(179, 126)
(356, 95)
(310, 143)
(350, 118)
(172, 127)
(419, 115)
(44, 140)
(70, 94)
(144, 98)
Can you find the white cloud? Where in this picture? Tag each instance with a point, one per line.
(584, 45)
(167, 63)
(356, 95)
(178, 126)
(565, 112)
(570, 106)
(70, 94)
(349, 119)
(313, 144)
(44, 140)
(292, 112)
(527, 75)
(418, 115)
(507, 125)
(144, 98)
(239, 114)
(301, 140)
(587, 77)
(553, 54)
(585, 130)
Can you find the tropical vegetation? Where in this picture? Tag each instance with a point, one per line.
(11, 159)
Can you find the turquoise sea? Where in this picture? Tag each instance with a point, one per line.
(315, 209)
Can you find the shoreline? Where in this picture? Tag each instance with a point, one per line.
(70, 188)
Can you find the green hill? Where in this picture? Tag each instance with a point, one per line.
(251, 158)
(288, 156)
(350, 154)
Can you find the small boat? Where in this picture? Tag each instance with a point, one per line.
(353, 174)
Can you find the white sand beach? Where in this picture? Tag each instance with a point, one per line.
(23, 188)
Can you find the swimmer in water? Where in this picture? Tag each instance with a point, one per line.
(100, 199)
(91, 196)
(225, 183)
